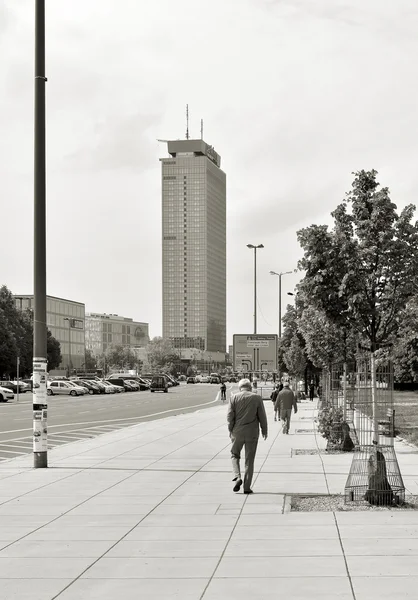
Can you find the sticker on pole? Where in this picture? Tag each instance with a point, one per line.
(39, 381)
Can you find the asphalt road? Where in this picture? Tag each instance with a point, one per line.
(83, 417)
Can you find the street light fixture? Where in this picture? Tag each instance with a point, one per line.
(252, 247)
(280, 296)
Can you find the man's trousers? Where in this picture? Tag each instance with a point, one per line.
(250, 444)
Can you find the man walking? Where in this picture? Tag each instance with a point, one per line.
(311, 390)
(246, 414)
(286, 400)
(223, 391)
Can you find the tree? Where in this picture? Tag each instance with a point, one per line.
(121, 357)
(405, 349)
(361, 274)
(90, 362)
(53, 352)
(160, 353)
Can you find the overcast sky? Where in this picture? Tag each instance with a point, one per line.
(295, 96)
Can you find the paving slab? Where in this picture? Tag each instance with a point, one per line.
(160, 568)
(31, 589)
(385, 588)
(272, 588)
(126, 589)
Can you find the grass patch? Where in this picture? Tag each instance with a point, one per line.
(406, 415)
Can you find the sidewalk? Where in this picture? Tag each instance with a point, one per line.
(148, 512)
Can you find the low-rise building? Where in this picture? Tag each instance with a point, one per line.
(66, 321)
(105, 330)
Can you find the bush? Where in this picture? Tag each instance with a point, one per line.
(330, 420)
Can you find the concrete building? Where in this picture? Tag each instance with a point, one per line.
(66, 321)
(194, 246)
(105, 330)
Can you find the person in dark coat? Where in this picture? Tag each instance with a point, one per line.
(311, 390)
(246, 416)
(286, 400)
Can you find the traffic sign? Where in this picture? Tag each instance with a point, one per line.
(255, 353)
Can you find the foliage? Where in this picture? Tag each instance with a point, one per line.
(16, 338)
(330, 419)
(295, 357)
(324, 340)
(361, 274)
(53, 350)
(90, 363)
(405, 350)
(160, 354)
(120, 357)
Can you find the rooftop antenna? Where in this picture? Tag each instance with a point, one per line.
(201, 129)
(187, 122)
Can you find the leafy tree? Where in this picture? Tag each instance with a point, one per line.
(295, 357)
(90, 362)
(361, 274)
(405, 350)
(53, 349)
(160, 353)
(121, 357)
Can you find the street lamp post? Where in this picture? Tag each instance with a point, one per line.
(252, 247)
(280, 297)
(40, 428)
(69, 344)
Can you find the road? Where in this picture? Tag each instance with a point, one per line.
(84, 417)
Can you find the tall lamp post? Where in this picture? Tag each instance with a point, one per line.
(252, 247)
(40, 429)
(279, 275)
(69, 344)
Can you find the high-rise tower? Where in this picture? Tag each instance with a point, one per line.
(194, 246)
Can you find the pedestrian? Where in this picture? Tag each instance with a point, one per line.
(255, 382)
(246, 415)
(311, 390)
(286, 400)
(223, 391)
(273, 397)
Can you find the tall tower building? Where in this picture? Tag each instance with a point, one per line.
(194, 246)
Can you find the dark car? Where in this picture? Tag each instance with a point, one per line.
(191, 380)
(173, 380)
(159, 383)
(121, 382)
(143, 384)
(11, 385)
(89, 385)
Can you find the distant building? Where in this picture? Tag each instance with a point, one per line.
(194, 246)
(66, 321)
(105, 330)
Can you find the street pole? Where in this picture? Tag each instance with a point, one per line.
(40, 429)
(255, 282)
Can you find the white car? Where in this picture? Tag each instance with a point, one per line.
(204, 379)
(64, 388)
(6, 394)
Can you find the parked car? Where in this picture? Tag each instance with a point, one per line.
(64, 388)
(159, 383)
(29, 383)
(6, 394)
(109, 388)
(122, 383)
(85, 390)
(90, 386)
(118, 388)
(204, 379)
(191, 380)
(214, 378)
(12, 385)
(172, 379)
(182, 378)
(134, 384)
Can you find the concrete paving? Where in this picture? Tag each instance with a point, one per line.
(149, 512)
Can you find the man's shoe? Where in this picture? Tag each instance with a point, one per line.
(248, 492)
(237, 486)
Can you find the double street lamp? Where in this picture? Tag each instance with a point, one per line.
(279, 275)
(255, 282)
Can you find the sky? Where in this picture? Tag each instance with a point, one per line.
(296, 95)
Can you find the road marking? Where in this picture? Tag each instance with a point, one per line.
(10, 451)
(119, 420)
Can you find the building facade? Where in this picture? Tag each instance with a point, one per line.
(105, 330)
(194, 246)
(66, 322)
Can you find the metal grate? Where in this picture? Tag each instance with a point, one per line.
(374, 475)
